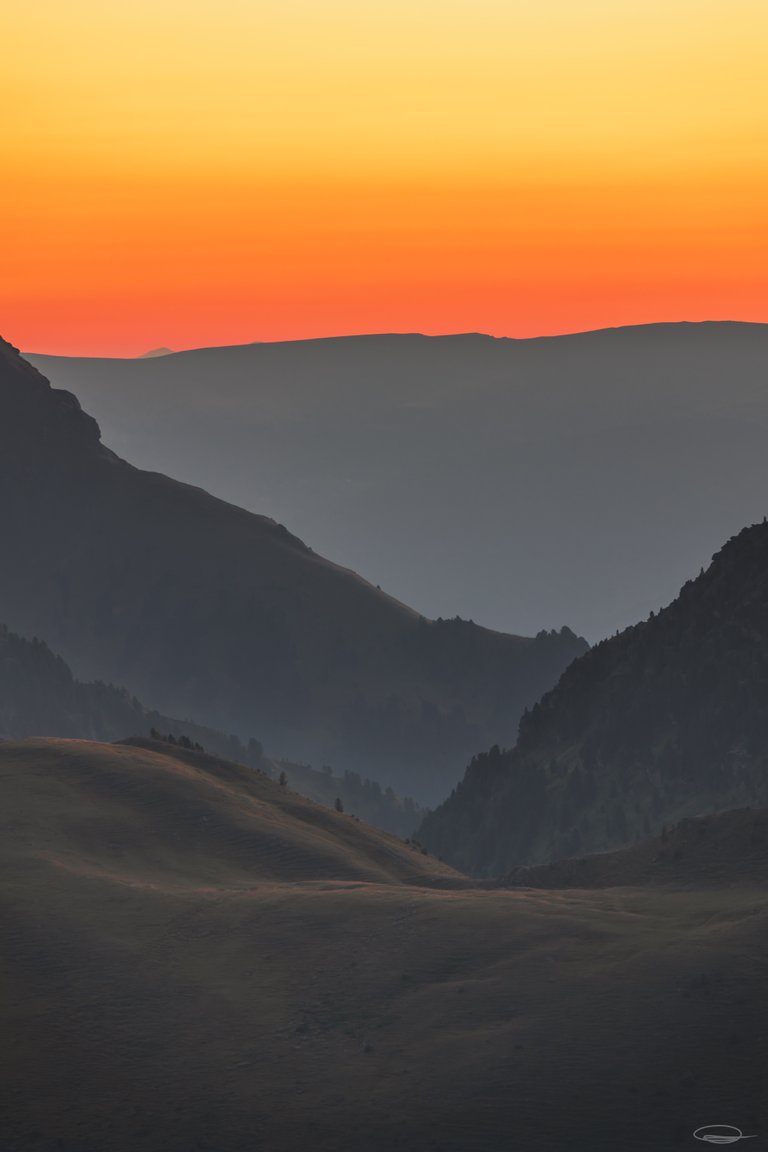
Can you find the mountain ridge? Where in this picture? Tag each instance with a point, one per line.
(208, 610)
(729, 848)
(660, 722)
(386, 334)
(427, 463)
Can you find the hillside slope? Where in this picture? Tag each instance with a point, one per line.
(195, 961)
(139, 812)
(730, 848)
(518, 482)
(39, 696)
(212, 612)
(667, 719)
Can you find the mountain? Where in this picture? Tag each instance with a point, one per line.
(213, 612)
(196, 960)
(727, 848)
(432, 464)
(155, 352)
(666, 720)
(39, 696)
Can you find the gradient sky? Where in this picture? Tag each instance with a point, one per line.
(191, 172)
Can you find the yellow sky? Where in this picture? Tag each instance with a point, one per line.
(440, 155)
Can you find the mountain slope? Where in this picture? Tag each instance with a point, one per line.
(195, 961)
(730, 848)
(39, 696)
(665, 720)
(212, 612)
(519, 482)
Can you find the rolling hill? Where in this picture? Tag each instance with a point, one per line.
(194, 960)
(665, 720)
(212, 612)
(141, 811)
(39, 696)
(518, 482)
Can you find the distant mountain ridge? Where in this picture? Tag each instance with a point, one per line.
(213, 612)
(521, 483)
(39, 696)
(666, 720)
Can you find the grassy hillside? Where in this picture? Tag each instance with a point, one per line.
(212, 612)
(431, 464)
(195, 961)
(146, 813)
(663, 721)
(359, 795)
(39, 696)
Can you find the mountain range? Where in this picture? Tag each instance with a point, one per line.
(39, 696)
(521, 483)
(209, 611)
(668, 719)
(195, 958)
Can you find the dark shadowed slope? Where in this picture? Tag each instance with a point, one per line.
(194, 961)
(730, 848)
(210, 611)
(520, 483)
(666, 720)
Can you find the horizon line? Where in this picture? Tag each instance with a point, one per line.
(393, 333)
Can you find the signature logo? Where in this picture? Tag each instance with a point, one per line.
(720, 1134)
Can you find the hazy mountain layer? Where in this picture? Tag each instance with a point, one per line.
(666, 720)
(39, 696)
(358, 795)
(212, 612)
(194, 959)
(519, 483)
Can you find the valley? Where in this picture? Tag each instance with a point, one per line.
(193, 960)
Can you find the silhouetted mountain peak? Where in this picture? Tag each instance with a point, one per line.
(31, 407)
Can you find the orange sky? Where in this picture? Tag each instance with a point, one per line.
(190, 173)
